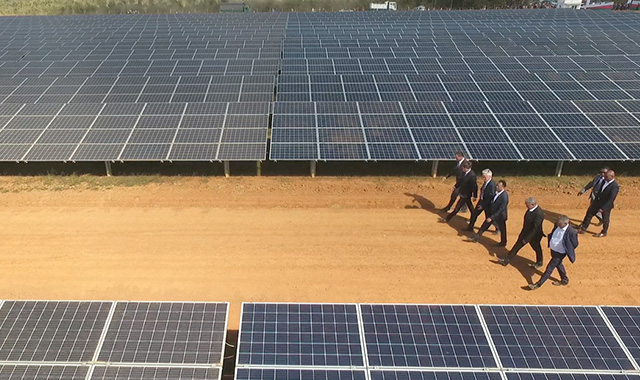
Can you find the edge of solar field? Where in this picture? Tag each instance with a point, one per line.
(500, 369)
(94, 363)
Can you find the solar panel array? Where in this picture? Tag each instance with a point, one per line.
(512, 60)
(419, 342)
(65, 340)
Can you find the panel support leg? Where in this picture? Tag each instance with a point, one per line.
(434, 168)
(107, 166)
(226, 168)
(258, 168)
(312, 168)
(559, 166)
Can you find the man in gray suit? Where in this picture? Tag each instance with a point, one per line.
(563, 241)
(595, 185)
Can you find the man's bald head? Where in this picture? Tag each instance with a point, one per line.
(610, 175)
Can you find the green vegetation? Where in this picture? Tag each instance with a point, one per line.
(54, 182)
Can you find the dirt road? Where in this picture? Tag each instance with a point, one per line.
(293, 239)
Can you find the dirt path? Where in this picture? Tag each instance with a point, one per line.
(292, 239)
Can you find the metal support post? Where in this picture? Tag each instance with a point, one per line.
(434, 168)
(107, 166)
(559, 166)
(226, 168)
(258, 168)
(313, 169)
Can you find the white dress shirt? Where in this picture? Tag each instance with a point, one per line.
(533, 209)
(556, 240)
(497, 195)
(604, 186)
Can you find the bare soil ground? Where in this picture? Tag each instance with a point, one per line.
(292, 239)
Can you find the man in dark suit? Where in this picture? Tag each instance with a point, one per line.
(603, 203)
(497, 214)
(563, 241)
(468, 190)
(531, 233)
(595, 185)
(458, 173)
(487, 191)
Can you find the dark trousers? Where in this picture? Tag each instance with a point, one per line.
(502, 226)
(556, 262)
(534, 243)
(461, 202)
(454, 195)
(591, 212)
(475, 213)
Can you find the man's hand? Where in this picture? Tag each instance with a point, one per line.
(524, 241)
(474, 199)
(479, 207)
(600, 211)
(444, 179)
(581, 192)
(489, 220)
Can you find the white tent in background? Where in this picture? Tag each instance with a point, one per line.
(572, 4)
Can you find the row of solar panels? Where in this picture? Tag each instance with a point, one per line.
(66, 340)
(362, 131)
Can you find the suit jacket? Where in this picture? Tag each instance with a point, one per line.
(487, 194)
(532, 227)
(498, 208)
(604, 199)
(457, 172)
(595, 185)
(569, 241)
(469, 185)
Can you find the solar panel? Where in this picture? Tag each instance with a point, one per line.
(430, 375)
(43, 372)
(566, 376)
(298, 374)
(155, 373)
(299, 335)
(554, 337)
(425, 336)
(626, 323)
(64, 331)
(164, 332)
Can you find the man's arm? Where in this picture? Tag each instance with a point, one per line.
(474, 186)
(588, 186)
(538, 218)
(502, 205)
(573, 238)
(608, 205)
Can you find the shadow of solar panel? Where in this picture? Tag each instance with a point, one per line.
(155, 373)
(39, 372)
(553, 337)
(298, 374)
(430, 375)
(181, 332)
(66, 331)
(300, 335)
(425, 336)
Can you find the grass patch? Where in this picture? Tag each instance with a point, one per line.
(78, 182)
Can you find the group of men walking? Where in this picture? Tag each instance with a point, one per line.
(493, 201)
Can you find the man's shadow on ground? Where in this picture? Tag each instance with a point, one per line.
(458, 223)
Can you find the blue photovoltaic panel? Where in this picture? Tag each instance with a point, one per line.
(300, 335)
(298, 374)
(568, 376)
(155, 373)
(425, 336)
(431, 375)
(43, 372)
(554, 337)
(626, 322)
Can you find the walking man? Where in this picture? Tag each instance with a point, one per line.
(487, 191)
(563, 241)
(595, 185)
(603, 203)
(531, 234)
(497, 214)
(467, 191)
(457, 172)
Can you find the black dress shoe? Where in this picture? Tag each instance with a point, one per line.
(535, 265)
(504, 262)
(533, 286)
(442, 220)
(560, 283)
(472, 239)
(600, 235)
(444, 209)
